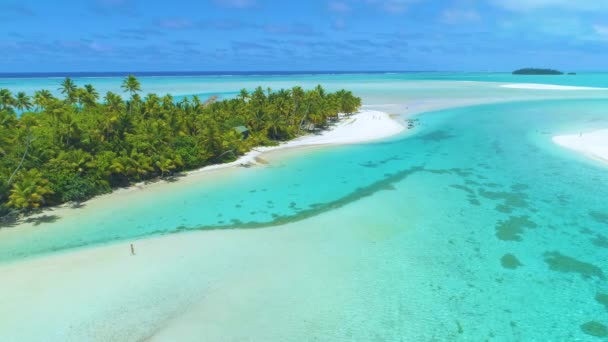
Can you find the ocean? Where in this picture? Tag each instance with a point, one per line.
(472, 226)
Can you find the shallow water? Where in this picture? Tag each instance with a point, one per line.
(229, 86)
(482, 228)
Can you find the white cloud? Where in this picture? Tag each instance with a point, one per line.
(100, 47)
(339, 7)
(392, 6)
(557, 27)
(451, 16)
(530, 5)
(236, 3)
(175, 23)
(601, 30)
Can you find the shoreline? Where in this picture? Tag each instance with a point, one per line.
(337, 134)
(593, 145)
(362, 127)
(340, 133)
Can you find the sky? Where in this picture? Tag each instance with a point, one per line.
(321, 35)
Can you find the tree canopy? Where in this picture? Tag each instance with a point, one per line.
(70, 149)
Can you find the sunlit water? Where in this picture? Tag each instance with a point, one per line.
(228, 86)
(489, 231)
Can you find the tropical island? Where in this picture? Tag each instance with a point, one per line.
(71, 149)
(537, 71)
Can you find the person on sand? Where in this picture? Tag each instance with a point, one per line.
(132, 250)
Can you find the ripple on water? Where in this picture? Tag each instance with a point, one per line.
(599, 217)
(600, 241)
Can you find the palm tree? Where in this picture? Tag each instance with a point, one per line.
(90, 95)
(42, 98)
(70, 130)
(22, 101)
(196, 104)
(8, 122)
(138, 164)
(274, 123)
(114, 102)
(78, 160)
(6, 99)
(68, 88)
(151, 106)
(350, 103)
(167, 165)
(319, 89)
(243, 95)
(131, 85)
(167, 102)
(184, 103)
(91, 91)
(28, 191)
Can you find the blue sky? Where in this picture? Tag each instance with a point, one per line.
(240, 35)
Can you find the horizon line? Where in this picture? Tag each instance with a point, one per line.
(242, 71)
(33, 74)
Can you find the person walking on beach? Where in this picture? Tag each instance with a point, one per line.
(132, 250)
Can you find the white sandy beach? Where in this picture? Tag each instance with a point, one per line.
(592, 144)
(364, 126)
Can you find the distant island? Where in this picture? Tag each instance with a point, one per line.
(536, 71)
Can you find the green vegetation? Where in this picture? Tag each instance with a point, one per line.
(71, 149)
(536, 71)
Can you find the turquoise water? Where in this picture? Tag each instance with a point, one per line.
(227, 86)
(493, 230)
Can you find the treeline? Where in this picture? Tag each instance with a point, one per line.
(73, 148)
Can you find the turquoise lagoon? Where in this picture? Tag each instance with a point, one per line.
(480, 228)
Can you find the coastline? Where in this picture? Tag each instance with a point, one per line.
(362, 127)
(371, 123)
(593, 145)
